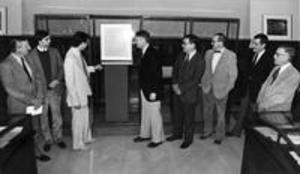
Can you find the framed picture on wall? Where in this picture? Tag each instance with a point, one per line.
(3, 17)
(278, 27)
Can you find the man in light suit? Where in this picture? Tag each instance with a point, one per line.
(49, 66)
(219, 78)
(150, 81)
(78, 90)
(21, 84)
(187, 73)
(278, 91)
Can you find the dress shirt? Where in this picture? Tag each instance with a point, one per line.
(215, 60)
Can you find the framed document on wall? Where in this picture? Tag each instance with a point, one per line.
(278, 27)
(116, 44)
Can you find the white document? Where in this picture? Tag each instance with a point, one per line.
(32, 111)
(116, 44)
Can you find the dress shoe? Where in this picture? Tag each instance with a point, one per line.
(232, 134)
(43, 158)
(61, 145)
(203, 137)
(173, 138)
(218, 142)
(153, 145)
(47, 147)
(140, 139)
(185, 144)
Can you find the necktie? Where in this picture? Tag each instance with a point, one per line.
(26, 69)
(275, 75)
(254, 58)
(186, 58)
(217, 51)
(84, 67)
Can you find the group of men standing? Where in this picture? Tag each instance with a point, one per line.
(268, 88)
(215, 74)
(35, 78)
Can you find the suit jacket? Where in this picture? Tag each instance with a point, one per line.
(77, 78)
(20, 90)
(188, 76)
(223, 80)
(56, 65)
(258, 73)
(150, 74)
(278, 96)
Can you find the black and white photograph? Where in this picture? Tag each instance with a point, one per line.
(149, 87)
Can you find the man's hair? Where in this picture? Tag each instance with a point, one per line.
(221, 37)
(143, 33)
(80, 37)
(13, 43)
(262, 38)
(193, 39)
(40, 35)
(290, 50)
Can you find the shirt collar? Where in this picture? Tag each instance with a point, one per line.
(192, 54)
(39, 48)
(145, 49)
(285, 66)
(16, 57)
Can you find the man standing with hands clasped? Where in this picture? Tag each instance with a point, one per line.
(49, 66)
(218, 80)
(150, 81)
(187, 73)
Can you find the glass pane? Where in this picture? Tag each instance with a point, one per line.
(41, 24)
(208, 29)
(67, 26)
(233, 29)
(164, 28)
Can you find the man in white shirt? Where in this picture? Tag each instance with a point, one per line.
(218, 80)
(277, 92)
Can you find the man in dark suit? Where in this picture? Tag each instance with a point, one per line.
(187, 73)
(21, 84)
(259, 66)
(218, 80)
(150, 81)
(49, 66)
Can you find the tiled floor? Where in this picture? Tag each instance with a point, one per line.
(117, 154)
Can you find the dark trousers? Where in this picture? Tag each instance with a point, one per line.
(246, 116)
(183, 119)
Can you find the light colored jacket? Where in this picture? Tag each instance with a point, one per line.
(224, 77)
(279, 95)
(76, 79)
(20, 90)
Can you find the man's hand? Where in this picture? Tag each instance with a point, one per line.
(98, 67)
(176, 89)
(37, 102)
(53, 84)
(152, 96)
